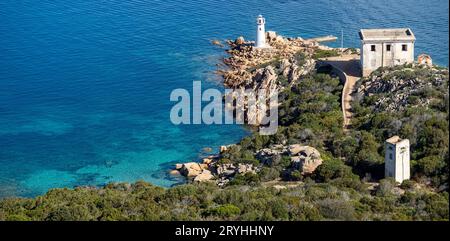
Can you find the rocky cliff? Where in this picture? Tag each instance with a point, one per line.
(247, 67)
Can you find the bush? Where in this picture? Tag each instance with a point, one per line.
(224, 211)
(386, 187)
(246, 179)
(268, 174)
(429, 165)
(336, 209)
(321, 53)
(407, 184)
(332, 169)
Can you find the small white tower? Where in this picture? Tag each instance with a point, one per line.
(396, 160)
(261, 32)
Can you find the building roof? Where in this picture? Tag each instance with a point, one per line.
(387, 34)
(395, 140)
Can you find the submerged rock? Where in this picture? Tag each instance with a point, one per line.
(174, 172)
(217, 43)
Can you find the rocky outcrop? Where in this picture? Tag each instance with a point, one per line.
(304, 158)
(230, 169)
(240, 41)
(247, 64)
(226, 172)
(402, 86)
(271, 69)
(225, 148)
(271, 156)
(204, 176)
(198, 172)
(245, 61)
(211, 169)
(191, 169)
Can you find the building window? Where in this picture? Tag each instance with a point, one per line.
(404, 47)
(372, 48)
(388, 48)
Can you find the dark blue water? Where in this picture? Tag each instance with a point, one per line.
(85, 85)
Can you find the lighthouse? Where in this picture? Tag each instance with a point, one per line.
(261, 32)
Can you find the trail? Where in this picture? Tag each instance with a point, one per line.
(348, 65)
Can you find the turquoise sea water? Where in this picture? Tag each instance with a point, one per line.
(85, 85)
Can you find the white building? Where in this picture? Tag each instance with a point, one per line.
(385, 47)
(261, 32)
(396, 160)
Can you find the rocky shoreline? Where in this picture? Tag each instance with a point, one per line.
(274, 68)
(211, 169)
(304, 159)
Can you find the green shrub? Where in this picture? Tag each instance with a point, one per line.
(321, 53)
(332, 169)
(224, 211)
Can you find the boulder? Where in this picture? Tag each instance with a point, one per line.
(240, 41)
(295, 159)
(271, 35)
(207, 161)
(295, 149)
(216, 42)
(225, 169)
(267, 156)
(178, 166)
(279, 187)
(223, 149)
(174, 172)
(285, 67)
(279, 39)
(305, 158)
(244, 168)
(207, 149)
(222, 181)
(310, 166)
(204, 176)
(191, 169)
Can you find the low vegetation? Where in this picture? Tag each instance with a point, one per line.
(312, 201)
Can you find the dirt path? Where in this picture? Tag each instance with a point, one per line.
(347, 99)
(349, 65)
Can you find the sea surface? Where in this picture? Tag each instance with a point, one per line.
(85, 85)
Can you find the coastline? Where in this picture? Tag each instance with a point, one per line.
(297, 174)
(249, 67)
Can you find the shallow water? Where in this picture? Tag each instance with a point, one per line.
(85, 85)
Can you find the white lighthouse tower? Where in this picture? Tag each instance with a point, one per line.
(261, 33)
